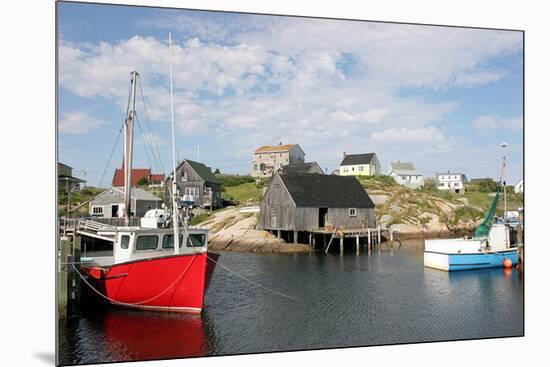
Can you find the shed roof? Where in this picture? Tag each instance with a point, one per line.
(116, 195)
(307, 167)
(353, 159)
(275, 148)
(203, 171)
(314, 190)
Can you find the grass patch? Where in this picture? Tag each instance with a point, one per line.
(247, 192)
(197, 219)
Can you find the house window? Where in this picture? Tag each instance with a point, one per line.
(193, 191)
(276, 186)
(361, 168)
(352, 212)
(97, 210)
(147, 242)
(255, 167)
(124, 241)
(184, 176)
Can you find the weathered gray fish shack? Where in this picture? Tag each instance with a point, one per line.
(302, 204)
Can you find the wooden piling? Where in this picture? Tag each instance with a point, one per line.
(278, 234)
(64, 246)
(357, 244)
(341, 245)
(379, 236)
(369, 241)
(295, 237)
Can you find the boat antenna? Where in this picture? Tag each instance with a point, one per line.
(174, 179)
(503, 179)
(128, 146)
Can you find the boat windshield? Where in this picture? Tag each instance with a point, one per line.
(196, 240)
(168, 241)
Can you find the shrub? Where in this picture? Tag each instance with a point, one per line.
(199, 218)
(228, 180)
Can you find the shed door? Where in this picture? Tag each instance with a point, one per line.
(323, 216)
(273, 219)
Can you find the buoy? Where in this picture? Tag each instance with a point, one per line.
(507, 263)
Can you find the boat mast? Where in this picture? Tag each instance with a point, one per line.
(503, 179)
(174, 179)
(129, 146)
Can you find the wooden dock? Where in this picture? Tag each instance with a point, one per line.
(326, 238)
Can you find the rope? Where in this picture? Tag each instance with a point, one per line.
(135, 303)
(111, 156)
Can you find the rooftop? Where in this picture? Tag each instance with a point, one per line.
(315, 190)
(353, 159)
(275, 148)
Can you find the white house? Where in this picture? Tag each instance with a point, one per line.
(519, 186)
(451, 181)
(405, 174)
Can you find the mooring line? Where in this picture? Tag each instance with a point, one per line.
(135, 303)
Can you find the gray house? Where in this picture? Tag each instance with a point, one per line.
(195, 183)
(307, 167)
(110, 203)
(304, 202)
(65, 179)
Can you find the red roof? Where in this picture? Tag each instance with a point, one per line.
(137, 174)
(156, 177)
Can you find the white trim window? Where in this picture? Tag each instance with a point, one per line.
(97, 210)
(352, 212)
(193, 191)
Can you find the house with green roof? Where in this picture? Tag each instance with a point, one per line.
(196, 185)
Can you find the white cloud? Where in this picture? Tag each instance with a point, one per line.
(78, 122)
(308, 81)
(430, 135)
(492, 122)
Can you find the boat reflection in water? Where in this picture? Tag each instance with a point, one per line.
(133, 335)
(142, 336)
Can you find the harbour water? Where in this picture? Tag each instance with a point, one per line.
(336, 301)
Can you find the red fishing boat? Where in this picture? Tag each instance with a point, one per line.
(151, 265)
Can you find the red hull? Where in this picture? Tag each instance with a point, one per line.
(172, 283)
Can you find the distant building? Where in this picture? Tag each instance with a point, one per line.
(138, 174)
(110, 203)
(65, 179)
(405, 174)
(269, 159)
(519, 187)
(302, 202)
(196, 183)
(455, 182)
(308, 167)
(360, 165)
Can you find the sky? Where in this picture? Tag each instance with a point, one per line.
(443, 98)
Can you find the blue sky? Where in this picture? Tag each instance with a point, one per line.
(442, 98)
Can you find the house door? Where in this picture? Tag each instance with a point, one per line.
(323, 216)
(114, 211)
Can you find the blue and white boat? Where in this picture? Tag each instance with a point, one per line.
(472, 253)
(494, 241)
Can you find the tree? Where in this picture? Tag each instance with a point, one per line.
(217, 171)
(144, 181)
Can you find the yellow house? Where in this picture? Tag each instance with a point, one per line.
(360, 165)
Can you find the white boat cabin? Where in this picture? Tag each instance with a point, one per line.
(136, 243)
(501, 237)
